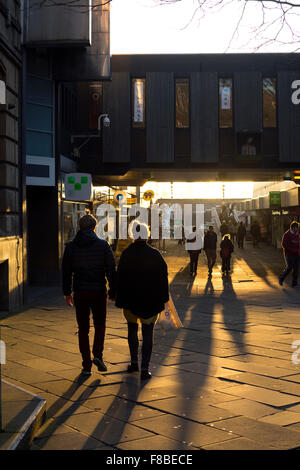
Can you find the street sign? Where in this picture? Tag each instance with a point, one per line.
(148, 195)
(275, 198)
(131, 200)
(78, 187)
(120, 197)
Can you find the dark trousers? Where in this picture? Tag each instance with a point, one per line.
(292, 264)
(133, 342)
(240, 241)
(194, 255)
(86, 301)
(226, 264)
(211, 258)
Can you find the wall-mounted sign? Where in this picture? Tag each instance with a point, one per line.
(138, 115)
(275, 198)
(120, 196)
(225, 98)
(78, 187)
(148, 195)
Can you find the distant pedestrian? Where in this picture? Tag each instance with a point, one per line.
(194, 253)
(210, 248)
(223, 229)
(87, 262)
(232, 230)
(142, 290)
(240, 235)
(255, 232)
(226, 249)
(291, 248)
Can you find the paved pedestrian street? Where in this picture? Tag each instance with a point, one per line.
(229, 379)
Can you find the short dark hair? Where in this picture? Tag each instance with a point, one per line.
(294, 224)
(211, 226)
(87, 222)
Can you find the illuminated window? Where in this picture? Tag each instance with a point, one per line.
(225, 102)
(182, 103)
(269, 102)
(138, 102)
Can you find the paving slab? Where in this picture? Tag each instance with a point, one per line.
(270, 435)
(263, 395)
(181, 429)
(248, 408)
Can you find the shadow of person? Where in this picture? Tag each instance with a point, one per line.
(209, 287)
(51, 425)
(234, 314)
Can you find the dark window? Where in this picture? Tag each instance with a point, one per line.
(182, 103)
(269, 102)
(225, 102)
(138, 102)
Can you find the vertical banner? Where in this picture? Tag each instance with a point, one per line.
(138, 115)
(225, 98)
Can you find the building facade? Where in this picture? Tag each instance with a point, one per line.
(199, 118)
(12, 197)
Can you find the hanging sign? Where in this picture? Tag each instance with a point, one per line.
(78, 187)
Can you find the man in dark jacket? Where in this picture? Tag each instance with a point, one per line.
(142, 290)
(86, 264)
(210, 248)
(240, 235)
(291, 248)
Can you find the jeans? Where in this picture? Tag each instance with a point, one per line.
(292, 264)
(211, 258)
(193, 261)
(85, 301)
(226, 264)
(133, 342)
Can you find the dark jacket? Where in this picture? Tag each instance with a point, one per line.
(86, 264)
(290, 243)
(241, 231)
(210, 241)
(223, 229)
(142, 280)
(226, 248)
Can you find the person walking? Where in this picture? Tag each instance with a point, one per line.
(223, 228)
(226, 249)
(142, 290)
(291, 248)
(255, 232)
(194, 254)
(240, 235)
(87, 263)
(210, 248)
(232, 230)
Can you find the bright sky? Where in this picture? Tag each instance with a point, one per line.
(143, 27)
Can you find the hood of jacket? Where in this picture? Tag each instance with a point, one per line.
(85, 237)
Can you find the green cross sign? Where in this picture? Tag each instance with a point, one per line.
(275, 198)
(78, 186)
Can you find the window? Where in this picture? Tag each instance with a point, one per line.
(138, 102)
(182, 103)
(225, 102)
(269, 102)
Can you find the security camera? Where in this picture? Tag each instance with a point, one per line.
(106, 121)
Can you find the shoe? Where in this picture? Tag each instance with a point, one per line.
(295, 285)
(132, 368)
(280, 281)
(100, 364)
(86, 372)
(145, 375)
